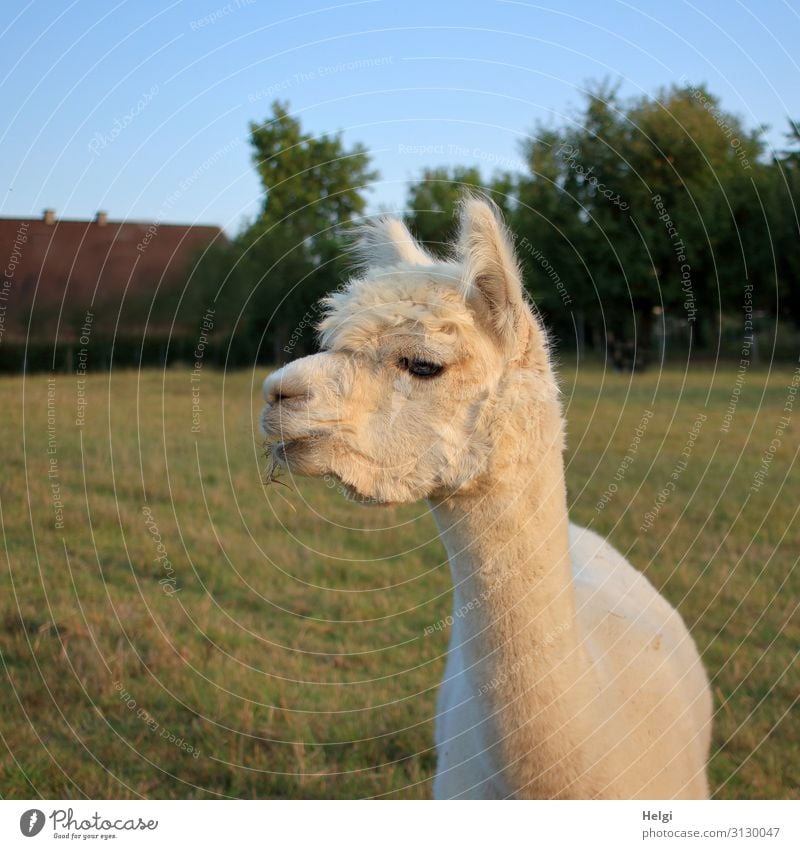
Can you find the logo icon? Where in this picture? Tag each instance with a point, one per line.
(31, 822)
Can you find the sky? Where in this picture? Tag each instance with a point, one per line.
(141, 108)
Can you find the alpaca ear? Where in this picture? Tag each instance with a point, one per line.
(386, 241)
(493, 276)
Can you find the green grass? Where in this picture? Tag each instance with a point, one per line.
(293, 657)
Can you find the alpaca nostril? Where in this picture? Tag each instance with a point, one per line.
(285, 385)
(284, 394)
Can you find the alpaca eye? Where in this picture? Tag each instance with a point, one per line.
(420, 368)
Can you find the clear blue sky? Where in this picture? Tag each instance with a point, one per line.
(467, 80)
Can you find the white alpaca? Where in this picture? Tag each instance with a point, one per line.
(568, 675)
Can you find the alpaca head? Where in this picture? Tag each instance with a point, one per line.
(428, 369)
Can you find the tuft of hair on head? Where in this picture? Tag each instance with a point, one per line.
(384, 242)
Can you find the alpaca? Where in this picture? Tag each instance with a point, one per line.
(567, 675)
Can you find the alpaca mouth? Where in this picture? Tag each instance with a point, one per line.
(296, 453)
(280, 447)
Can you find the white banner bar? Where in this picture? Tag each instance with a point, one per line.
(380, 824)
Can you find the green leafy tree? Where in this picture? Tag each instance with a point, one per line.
(572, 223)
(267, 283)
(312, 186)
(640, 205)
(695, 165)
(783, 204)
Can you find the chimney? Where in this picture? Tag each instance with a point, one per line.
(49, 216)
(101, 219)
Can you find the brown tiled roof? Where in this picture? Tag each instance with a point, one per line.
(73, 265)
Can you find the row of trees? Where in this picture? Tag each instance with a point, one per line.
(635, 220)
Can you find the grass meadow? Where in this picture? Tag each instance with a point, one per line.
(237, 640)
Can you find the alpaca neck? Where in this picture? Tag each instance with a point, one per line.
(514, 620)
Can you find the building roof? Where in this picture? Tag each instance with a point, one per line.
(69, 265)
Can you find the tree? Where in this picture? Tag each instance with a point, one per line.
(572, 218)
(783, 204)
(642, 206)
(269, 280)
(695, 165)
